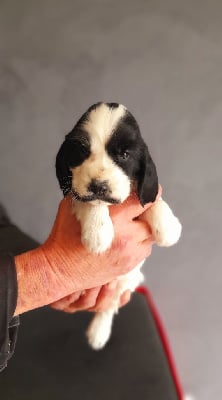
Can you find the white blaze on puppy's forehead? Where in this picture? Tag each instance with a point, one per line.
(102, 122)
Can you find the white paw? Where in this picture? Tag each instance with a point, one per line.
(167, 232)
(166, 228)
(99, 331)
(100, 239)
(188, 397)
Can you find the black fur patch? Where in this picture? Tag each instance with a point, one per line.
(113, 105)
(129, 151)
(74, 150)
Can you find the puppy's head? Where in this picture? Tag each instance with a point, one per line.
(104, 155)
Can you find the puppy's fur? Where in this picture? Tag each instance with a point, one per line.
(100, 162)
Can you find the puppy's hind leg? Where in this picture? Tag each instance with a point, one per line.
(100, 328)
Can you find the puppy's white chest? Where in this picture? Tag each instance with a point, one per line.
(96, 226)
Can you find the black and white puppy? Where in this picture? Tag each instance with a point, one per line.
(100, 162)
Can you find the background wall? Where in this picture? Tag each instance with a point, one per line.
(163, 60)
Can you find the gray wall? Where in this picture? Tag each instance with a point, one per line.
(163, 60)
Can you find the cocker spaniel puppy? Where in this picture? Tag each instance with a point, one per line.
(101, 161)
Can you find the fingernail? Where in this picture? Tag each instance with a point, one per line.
(125, 298)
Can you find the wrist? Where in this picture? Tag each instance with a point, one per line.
(37, 284)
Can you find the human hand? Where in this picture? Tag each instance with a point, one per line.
(96, 299)
(63, 266)
(76, 268)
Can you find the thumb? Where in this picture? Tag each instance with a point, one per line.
(65, 224)
(131, 206)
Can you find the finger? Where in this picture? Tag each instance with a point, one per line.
(142, 230)
(66, 218)
(85, 302)
(65, 205)
(125, 298)
(146, 248)
(105, 297)
(132, 206)
(64, 209)
(61, 304)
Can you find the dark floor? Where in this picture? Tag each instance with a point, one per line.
(163, 60)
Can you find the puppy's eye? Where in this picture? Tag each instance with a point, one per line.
(82, 148)
(124, 155)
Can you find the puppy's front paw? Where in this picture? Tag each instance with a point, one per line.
(167, 233)
(100, 239)
(166, 228)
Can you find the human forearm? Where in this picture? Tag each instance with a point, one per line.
(37, 284)
(46, 274)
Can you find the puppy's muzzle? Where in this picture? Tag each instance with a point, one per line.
(99, 188)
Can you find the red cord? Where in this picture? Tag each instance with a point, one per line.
(165, 341)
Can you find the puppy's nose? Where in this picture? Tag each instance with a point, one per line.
(98, 188)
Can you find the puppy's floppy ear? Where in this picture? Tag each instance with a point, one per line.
(63, 163)
(147, 179)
